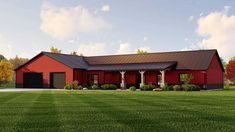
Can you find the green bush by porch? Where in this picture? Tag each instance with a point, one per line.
(108, 87)
(147, 87)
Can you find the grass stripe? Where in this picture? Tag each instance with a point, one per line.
(117, 111)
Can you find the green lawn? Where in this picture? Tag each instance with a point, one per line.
(117, 111)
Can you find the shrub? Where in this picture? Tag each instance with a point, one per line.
(190, 87)
(196, 88)
(10, 84)
(95, 86)
(75, 84)
(80, 87)
(109, 87)
(147, 88)
(177, 88)
(132, 88)
(86, 86)
(227, 85)
(167, 88)
(67, 87)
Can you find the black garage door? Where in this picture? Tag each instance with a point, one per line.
(33, 80)
(57, 80)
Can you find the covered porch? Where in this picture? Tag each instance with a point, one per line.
(135, 74)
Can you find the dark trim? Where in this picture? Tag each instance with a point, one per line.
(214, 86)
(206, 79)
(18, 85)
(73, 75)
(104, 77)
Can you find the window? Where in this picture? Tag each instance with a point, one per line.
(159, 79)
(186, 78)
(95, 79)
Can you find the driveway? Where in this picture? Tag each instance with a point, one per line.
(24, 89)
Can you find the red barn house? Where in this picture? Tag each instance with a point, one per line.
(53, 70)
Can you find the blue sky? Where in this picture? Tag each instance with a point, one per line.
(98, 27)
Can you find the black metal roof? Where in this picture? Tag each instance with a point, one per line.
(181, 60)
(140, 66)
(72, 61)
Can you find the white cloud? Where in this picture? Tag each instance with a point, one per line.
(124, 48)
(91, 49)
(226, 8)
(218, 31)
(193, 46)
(61, 22)
(186, 39)
(201, 14)
(71, 41)
(5, 48)
(145, 39)
(105, 8)
(190, 18)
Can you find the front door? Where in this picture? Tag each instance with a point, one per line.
(138, 80)
(94, 79)
(159, 79)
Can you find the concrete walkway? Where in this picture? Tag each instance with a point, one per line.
(24, 89)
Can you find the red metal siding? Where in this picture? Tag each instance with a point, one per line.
(45, 65)
(151, 77)
(130, 77)
(172, 77)
(78, 75)
(215, 73)
(113, 77)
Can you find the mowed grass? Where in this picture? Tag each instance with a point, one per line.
(117, 111)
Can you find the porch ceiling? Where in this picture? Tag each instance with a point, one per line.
(137, 66)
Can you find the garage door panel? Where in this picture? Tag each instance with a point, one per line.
(33, 80)
(57, 80)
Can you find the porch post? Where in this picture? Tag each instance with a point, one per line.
(122, 79)
(163, 78)
(142, 78)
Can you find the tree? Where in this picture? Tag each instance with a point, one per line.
(74, 53)
(2, 57)
(17, 61)
(6, 73)
(232, 58)
(55, 50)
(230, 70)
(139, 51)
(223, 62)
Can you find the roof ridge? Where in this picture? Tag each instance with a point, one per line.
(167, 52)
(162, 52)
(60, 54)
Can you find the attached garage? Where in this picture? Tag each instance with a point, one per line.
(33, 80)
(57, 80)
(46, 70)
